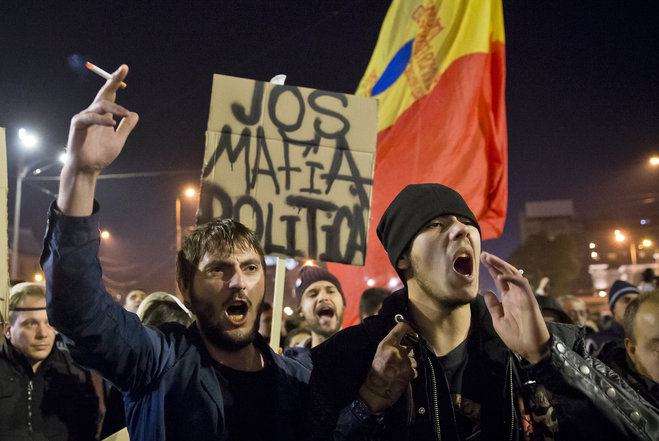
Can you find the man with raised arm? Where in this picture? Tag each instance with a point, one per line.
(210, 381)
(435, 364)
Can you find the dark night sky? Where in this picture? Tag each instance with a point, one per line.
(582, 97)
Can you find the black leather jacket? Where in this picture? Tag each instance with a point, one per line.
(584, 399)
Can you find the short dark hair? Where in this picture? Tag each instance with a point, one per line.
(371, 299)
(223, 235)
(632, 309)
(164, 311)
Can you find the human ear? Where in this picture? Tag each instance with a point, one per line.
(630, 347)
(5, 329)
(403, 262)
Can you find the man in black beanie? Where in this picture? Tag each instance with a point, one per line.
(321, 303)
(605, 343)
(435, 364)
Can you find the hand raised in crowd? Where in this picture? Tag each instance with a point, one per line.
(393, 367)
(93, 144)
(93, 140)
(517, 318)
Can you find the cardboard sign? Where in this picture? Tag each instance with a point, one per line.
(293, 164)
(4, 238)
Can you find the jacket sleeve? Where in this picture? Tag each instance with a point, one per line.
(339, 369)
(589, 398)
(351, 427)
(100, 334)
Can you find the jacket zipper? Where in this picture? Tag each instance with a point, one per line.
(512, 401)
(435, 402)
(30, 388)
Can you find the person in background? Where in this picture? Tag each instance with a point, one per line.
(133, 300)
(648, 280)
(613, 334)
(161, 307)
(44, 394)
(297, 336)
(321, 305)
(638, 361)
(551, 310)
(265, 324)
(576, 308)
(371, 302)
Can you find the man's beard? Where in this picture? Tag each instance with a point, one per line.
(326, 333)
(213, 330)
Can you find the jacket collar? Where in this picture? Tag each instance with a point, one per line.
(482, 337)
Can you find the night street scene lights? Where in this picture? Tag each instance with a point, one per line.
(189, 193)
(28, 143)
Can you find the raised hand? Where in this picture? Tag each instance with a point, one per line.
(393, 367)
(93, 141)
(93, 144)
(517, 318)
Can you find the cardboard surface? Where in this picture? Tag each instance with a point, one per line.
(293, 164)
(4, 238)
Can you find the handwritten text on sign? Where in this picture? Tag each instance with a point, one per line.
(293, 164)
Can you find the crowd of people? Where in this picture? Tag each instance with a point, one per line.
(437, 359)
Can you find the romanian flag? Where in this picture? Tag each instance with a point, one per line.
(438, 72)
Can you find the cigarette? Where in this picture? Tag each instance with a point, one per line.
(97, 70)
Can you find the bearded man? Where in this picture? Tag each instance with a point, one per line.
(206, 382)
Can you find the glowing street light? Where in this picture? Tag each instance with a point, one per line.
(654, 160)
(619, 236)
(29, 140)
(105, 234)
(646, 243)
(189, 192)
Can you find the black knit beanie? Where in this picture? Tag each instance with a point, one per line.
(312, 274)
(619, 289)
(411, 210)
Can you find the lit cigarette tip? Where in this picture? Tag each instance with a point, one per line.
(98, 71)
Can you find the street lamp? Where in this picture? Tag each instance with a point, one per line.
(633, 245)
(28, 141)
(189, 193)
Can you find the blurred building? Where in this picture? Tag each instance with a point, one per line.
(615, 245)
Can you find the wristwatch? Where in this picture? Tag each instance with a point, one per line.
(363, 413)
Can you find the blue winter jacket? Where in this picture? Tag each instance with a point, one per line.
(171, 389)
